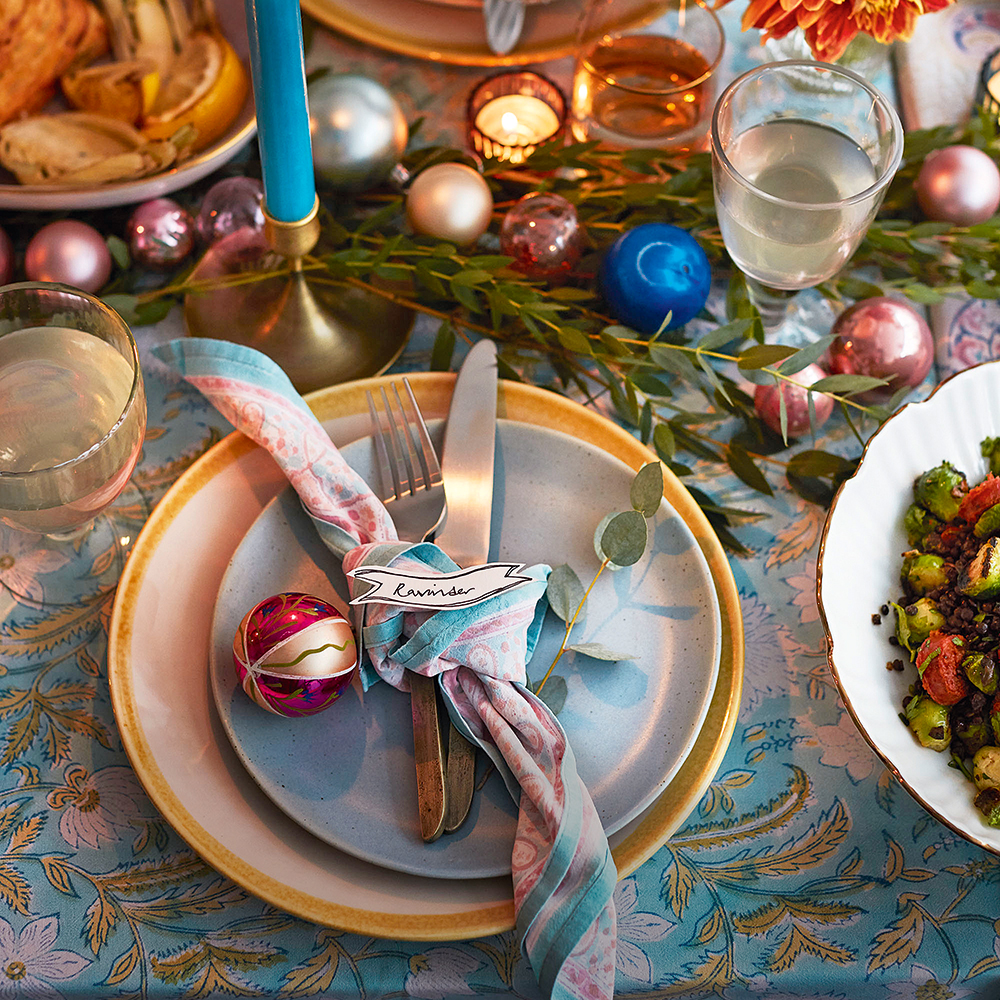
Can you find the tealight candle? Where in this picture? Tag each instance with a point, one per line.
(988, 91)
(511, 113)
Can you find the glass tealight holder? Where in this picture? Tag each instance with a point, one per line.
(510, 114)
(988, 90)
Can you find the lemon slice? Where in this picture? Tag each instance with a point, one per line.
(121, 90)
(206, 88)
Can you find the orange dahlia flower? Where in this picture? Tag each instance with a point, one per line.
(829, 25)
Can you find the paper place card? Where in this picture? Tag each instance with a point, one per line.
(438, 591)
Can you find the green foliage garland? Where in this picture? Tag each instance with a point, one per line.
(557, 334)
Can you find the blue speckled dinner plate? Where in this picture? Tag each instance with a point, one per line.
(347, 775)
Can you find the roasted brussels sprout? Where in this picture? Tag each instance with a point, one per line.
(988, 523)
(981, 578)
(990, 448)
(940, 490)
(986, 767)
(918, 523)
(981, 669)
(916, 621)
(995, 718)
(923, 572)
(929, 722)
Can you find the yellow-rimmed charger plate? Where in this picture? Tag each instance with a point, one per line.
(158, 674)
(456, 36)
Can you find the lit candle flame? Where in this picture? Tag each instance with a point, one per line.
(508, 122)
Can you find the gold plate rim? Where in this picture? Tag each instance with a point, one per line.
(336, 14)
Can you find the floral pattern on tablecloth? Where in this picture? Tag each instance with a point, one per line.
(804, 872)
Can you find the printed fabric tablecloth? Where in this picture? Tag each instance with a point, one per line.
(804, 872)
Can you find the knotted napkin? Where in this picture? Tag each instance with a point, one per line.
(563, 872)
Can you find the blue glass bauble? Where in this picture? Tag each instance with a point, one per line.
(653, 270)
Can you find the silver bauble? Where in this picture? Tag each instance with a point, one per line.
(451, 202)
(358, 131)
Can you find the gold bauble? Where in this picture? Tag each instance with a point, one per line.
(451, 202)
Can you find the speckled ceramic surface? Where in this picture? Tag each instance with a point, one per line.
(858, 571)
(347, 774)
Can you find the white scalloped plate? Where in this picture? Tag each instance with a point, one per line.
(858, 571)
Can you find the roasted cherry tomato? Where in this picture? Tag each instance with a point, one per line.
(979, 499)
(939, 661)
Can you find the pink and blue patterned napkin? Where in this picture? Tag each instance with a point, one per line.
(563, 872)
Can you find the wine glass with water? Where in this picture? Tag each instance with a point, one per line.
(72, 423)
(802, 154)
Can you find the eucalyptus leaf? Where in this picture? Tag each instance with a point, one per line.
(623, 539)
(119, 251)
(806, 356)
(672, 360)
(743, 466)
(554, 693)
(444, 348)
(598, 651)
(761, 355)
(124, 305)
(725, 334)
(847, 384)
(664, 442)
(646, 490)
(565, 593)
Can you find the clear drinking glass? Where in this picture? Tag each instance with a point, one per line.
(72, 423)
(645, 73)
(799, 169)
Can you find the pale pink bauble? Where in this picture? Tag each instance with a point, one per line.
(958, 184)
(230, 204)
(767, 403)
(6, 258)
(69, 252)
(886, 338)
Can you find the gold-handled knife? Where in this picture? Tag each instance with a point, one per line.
(467, 471)
(428, 756)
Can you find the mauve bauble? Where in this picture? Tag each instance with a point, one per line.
(886, 338)
(767, 403)
(958, 184)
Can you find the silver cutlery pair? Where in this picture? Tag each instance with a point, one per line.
(414, 488)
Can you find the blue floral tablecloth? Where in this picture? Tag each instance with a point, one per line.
(804, 872)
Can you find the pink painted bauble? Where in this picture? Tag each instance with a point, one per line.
(160, 234)
(542, 233)
(294, 654)
(230, 204)
(886, 338)
(767, 403)
(958, 184)
(69, 252)
(6, 258)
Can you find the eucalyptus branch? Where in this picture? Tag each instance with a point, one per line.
(560, 332)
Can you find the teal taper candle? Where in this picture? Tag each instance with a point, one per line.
(274, 28)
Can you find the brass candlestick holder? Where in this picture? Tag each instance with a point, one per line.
(319, 331)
